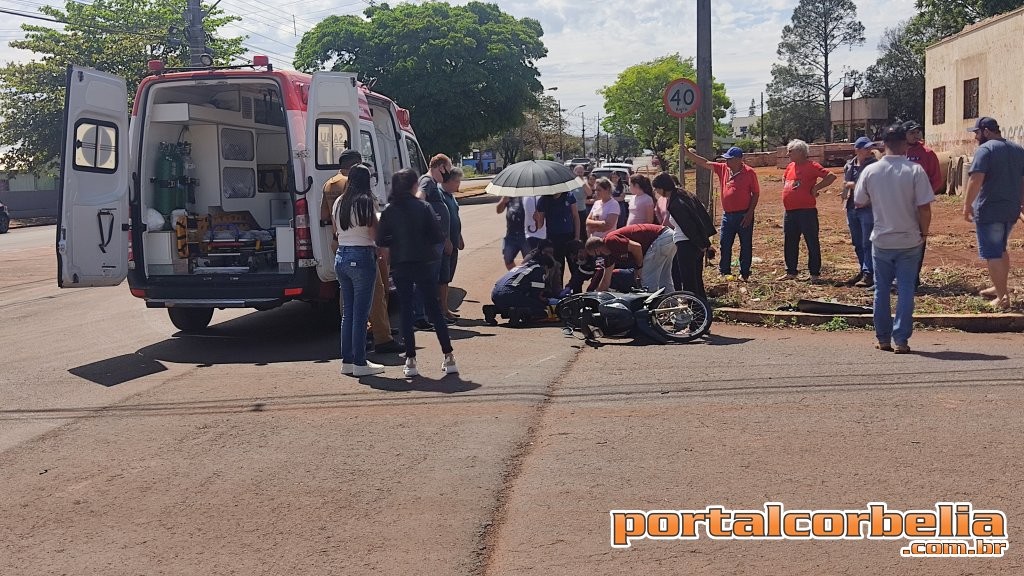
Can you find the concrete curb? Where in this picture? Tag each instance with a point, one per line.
(966, 322)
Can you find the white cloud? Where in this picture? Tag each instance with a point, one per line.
(590, 42)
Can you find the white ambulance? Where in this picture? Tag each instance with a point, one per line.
(212, 197)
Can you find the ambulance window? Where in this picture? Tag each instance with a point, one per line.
(95, 146)
(332, 138)
(368, 156)
(416, 157)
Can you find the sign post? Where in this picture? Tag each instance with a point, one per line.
(681, 99)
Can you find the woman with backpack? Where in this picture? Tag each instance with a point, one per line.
(693, 230)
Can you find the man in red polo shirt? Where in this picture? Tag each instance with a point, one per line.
(926, 157)
(805, 179)
(740, 192)
(648, 247)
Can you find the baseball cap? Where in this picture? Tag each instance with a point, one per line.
(734, 152)
(350, 157)
(911, 125)
(863, 142)
(894, 133)
(985, 123)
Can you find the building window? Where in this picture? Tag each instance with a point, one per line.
(971, 98)
(939, 105)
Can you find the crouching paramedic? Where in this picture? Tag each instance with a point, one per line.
(523, 287)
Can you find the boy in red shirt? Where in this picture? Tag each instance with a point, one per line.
(804, 181)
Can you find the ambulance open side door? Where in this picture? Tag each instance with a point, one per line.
(92, 216)
(332, 126)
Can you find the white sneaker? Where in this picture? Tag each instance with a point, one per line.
(410, 370)
(369, 370)
(448, 365)
(346, 369)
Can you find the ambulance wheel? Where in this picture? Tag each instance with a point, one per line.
(190, 320)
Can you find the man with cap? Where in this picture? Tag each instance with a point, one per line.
(926, 157)
(993, 202)
(860, 220)
(900, 197)
(740, 192)
(335, 187)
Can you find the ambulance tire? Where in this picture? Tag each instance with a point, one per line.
(190, 320)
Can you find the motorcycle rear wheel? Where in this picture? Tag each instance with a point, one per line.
(680, 316)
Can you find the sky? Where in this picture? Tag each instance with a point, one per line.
(589, 41)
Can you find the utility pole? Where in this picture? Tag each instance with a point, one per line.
(583, 139)
(597, 141)
(561, 134)
(705, 116)
(200, 55)
(760, 121)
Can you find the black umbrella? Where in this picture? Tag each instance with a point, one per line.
(534, 178)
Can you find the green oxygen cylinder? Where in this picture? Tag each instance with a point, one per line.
(166, 182)
(177, 174)
(188, 176)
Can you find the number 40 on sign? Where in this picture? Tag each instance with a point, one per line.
(682, 98)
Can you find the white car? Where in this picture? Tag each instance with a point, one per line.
(619, 166)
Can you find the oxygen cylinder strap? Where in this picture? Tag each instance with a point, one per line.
(105, 237)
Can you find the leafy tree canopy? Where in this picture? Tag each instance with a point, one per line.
(464, 72)
(898, 74)
(635, 107)
(116, 36)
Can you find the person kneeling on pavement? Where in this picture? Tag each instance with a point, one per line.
(589, 271)
(521, 294)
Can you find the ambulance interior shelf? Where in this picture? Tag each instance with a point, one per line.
(225, 243)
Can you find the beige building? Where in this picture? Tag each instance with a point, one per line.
(860, 116)
(975, 73)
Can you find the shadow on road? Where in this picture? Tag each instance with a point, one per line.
(294, 332)
(960, 356)
(447, 385)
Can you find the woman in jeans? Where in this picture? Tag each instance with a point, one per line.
(355, 221)
(693, 228)
(409, 231)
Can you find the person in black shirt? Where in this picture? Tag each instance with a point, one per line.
(514, 243)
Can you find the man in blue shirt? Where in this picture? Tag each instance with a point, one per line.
(558, 214)
(993, 202)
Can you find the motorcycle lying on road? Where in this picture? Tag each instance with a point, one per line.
(657, 316)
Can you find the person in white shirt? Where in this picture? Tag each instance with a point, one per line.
(534, 235)
(900, 196)
(354, 216)
(641, 210)
(604, 215)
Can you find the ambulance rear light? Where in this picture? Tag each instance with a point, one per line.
(260, 60)
(303, 235)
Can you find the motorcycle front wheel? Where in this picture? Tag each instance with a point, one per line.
(680, 316)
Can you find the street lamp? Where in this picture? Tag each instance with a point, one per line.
(561, 145)
(584, 126)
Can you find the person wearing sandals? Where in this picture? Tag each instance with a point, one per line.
(993, 203)
(900, 196)
(409, 230)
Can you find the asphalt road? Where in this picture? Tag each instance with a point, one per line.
(126, 448)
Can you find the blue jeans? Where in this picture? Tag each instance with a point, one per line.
(797, 223)
(901, 265)
(732, 226)
(861, 222)
(411, 278)
(356, 267)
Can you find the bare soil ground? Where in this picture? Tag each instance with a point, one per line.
(951, 277)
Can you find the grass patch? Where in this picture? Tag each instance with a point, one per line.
(836, 324)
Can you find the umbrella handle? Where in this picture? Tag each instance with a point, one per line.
(531, 229)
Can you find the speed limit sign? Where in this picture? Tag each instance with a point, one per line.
(682, 97)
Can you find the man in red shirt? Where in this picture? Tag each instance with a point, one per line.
(926, 157)
(740, 192)
(805, 179)
(649, 247)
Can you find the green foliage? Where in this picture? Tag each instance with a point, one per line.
(941, 18)
(116, 36)
(836, 324)
(898, 74)
(464, 72)
(748, 145)
(635, 107)
(804, 80)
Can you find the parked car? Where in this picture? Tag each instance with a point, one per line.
(5, 219)
(587, 164)
(627, 167)
(606, 171)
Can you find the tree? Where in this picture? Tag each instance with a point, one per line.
(116, 36)
(942, 18)
(898, 74)
(753, 109)
(634, 102)
(818, 29)
(464, 72)
(732, 112)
